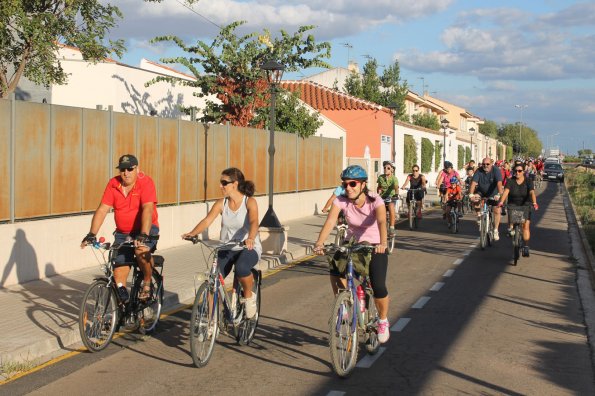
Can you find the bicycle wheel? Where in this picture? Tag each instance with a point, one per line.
(340, 236)
(203, 326)
(247, 327)
(148, 315)
(453, 221)
(411, 215)
(482, 232)
(516, 244)
(343, 335)
(371, 322)
(390, 243)
(98, 316)
(489, 229)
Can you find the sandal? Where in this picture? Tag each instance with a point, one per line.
(145, 291)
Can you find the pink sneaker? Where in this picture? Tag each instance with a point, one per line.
(383, 331)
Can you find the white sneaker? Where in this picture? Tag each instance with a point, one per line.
(383, 331)
(496, 235)
(250, 306)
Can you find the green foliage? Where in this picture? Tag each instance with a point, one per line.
(460, 156)
(291, 116)
(30, 32)
(437, 155)
(500, 151)
(489, 128)
(410, 152)
(585, 152)
(229, 68)
(427, 154)
(426, 120)
(530, 144)
(509, 152)
(581, 186)
(571, 158)
(467, 154)
(387, 90)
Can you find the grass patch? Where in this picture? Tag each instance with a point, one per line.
(8, 369)
(590, 233)
(581, 186)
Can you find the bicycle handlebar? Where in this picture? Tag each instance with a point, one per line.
(218, 246)
(332, 248)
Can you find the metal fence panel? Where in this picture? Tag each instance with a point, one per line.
(124, 137)
(97, 166)
(189, 176)
(32, 160)
(66, 159)
(168, 152)
(5, 147)
(147, 150)
(236, 144)
(216, 158)
(261, 161)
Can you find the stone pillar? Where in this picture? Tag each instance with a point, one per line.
(274, 239)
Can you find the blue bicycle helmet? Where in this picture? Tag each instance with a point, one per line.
(454, 180)
(354, 172)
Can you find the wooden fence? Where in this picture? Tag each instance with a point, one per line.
(56, 160)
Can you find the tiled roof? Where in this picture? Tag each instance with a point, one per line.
(323, 98)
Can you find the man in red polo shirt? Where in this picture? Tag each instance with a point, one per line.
(133, 197)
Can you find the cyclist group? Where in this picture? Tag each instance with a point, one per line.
(133, 198)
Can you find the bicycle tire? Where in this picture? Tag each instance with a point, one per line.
(490, 228)
(482, 233)
(343, 335)
(247, 327)
(340, 236)
(101, 304)
(453, 221)
(516, 244)
(151, 312)
(203, 319)
(456, 224)
(411, 216)
(371, 322)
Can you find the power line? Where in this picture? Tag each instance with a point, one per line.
(197, 13)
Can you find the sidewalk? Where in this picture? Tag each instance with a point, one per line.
(40, 318)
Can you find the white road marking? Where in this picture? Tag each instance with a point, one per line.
(466, 252)
(369, 360)
(400, 324)
(448, 273)
(458, 261)
(437, 286)
(419, 304)
(335, 393)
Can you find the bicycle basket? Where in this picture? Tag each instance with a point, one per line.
(518, 214)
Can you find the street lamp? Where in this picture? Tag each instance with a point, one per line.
(394, 107)
(521, 107)
(444, 123)
(274, 71)
(471, 133)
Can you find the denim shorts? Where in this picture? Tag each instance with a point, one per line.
(125, 255)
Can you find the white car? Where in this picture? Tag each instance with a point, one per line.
(552, 160)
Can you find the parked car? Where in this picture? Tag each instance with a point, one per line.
(588, 161)
(553, 171)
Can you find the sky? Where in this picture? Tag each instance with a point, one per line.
(486, 56)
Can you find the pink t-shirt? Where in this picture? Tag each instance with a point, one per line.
(362, 221)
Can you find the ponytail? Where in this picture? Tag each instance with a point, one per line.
(246, 187)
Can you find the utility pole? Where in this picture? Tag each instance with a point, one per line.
(521, 107)
(423, 85)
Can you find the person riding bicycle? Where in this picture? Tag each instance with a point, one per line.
(443, 179)
(531, 171)
(336, 192)
(239, 221)
(487, 182)
(366, 217)
(134, 200)
(520, 192)
(416, 181)
(388, 185)
(453, 194)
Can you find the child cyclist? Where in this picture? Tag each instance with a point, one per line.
(453, 194)
(366, 216)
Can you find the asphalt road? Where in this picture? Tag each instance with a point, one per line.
(464, 322)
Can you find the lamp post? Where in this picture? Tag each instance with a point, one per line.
(550, 140)
(444, 124)
(471, 133)
(274, 72)
(394, 107)
(521, 107)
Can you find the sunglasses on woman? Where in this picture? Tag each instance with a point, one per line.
(225, 182)
(351, 184)
(518, 170)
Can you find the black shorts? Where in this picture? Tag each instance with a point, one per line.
(419, 195)
(244, 261)
(125, 255)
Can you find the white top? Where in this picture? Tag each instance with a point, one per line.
(235, 225)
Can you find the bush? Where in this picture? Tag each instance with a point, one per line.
(427, 153)
(467, 154)
(500, 151)
(509, 153)
(426, 120)
(437, 154)
(460, 156)
(410, 154)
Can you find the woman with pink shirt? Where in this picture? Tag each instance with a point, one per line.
(365, 214)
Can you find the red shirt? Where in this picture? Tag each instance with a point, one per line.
(453, 192)
(128, 209)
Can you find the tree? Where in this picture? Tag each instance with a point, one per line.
(427, 153)
(584, 152)
(387, 90)
(426, 120)
(527, 143)
(229, 68)
(31, 32)
(489, 128)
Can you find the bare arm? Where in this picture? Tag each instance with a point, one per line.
(215, 211)
(147, 217)
(327, 205)
(330, 222)
(404, 184)
(423, 182)
(472, 187)
(503, 197)
(500, 188)
(252, 207)
(97, 220)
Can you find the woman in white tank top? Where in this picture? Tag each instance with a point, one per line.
(239, 221)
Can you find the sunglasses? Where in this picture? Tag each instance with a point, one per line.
(415, 170)
(225, 182)
(351, 184)
(486, 164)
(518, 170)
(127, 169)
(388, 167)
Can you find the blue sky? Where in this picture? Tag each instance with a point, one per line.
(483, 55)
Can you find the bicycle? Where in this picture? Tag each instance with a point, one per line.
(216, 309)
(486, 224)
(341, 229)
(102, 312)
(538, 180)
(390, 238)
(454, 215)
(413, 207)
(350, 316)
(517, 216)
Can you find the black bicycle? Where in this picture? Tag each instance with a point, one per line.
(390, 237)
(413, 207)
(454, 215)
(217, 309)
(102, 312)
(517, 215)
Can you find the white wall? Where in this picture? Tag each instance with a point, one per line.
(38, 249)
